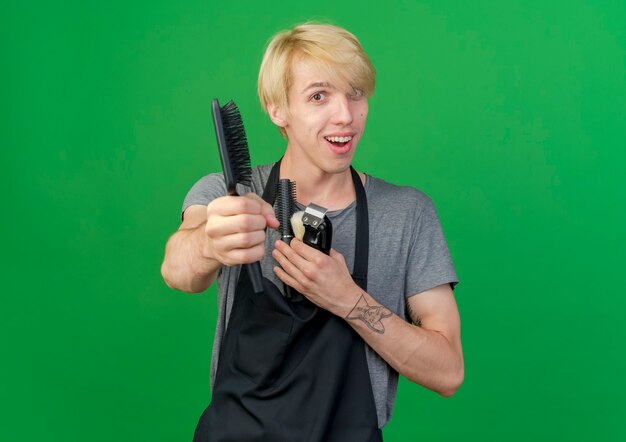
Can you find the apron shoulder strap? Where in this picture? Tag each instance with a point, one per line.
(269, 193)
(361, 249)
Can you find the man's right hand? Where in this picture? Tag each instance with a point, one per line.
(229, 231)
(235, 229)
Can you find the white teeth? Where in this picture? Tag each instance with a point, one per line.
(339, 139)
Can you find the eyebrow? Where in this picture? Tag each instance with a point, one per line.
(317, 84)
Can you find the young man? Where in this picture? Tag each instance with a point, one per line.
(381, 303)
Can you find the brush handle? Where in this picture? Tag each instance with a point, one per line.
(254, 268)
(256, 277)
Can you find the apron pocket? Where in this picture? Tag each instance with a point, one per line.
(261, 344)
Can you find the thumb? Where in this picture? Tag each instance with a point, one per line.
(266, 210)
(270, 216)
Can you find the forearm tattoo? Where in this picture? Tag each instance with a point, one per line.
(371, 315)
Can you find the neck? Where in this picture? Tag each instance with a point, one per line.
(334, 191)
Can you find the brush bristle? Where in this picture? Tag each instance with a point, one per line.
(237, 143)
(285, 205)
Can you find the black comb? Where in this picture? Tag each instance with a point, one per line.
(235, 157)
(285, 208)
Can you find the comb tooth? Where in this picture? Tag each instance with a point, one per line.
(237, 143)
(292, 191)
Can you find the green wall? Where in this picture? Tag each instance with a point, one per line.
(510, 115)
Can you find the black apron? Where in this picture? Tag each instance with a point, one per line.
(290, 371)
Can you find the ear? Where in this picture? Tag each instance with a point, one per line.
(277, 115)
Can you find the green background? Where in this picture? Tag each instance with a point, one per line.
(510, 115)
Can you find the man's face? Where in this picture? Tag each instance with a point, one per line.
(325, 120)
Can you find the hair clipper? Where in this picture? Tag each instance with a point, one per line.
(316, 229)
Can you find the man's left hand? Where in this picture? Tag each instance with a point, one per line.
(323, 279)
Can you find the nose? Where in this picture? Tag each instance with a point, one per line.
(343, 112)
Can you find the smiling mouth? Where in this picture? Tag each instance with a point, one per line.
(338, 141)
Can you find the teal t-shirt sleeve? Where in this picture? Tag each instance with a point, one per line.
(429, 262)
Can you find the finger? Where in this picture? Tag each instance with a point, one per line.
(272, 221)
(234, 205)
(287, 279)
(305, 251)
(291, 254)
(244, 256)
(288, 266)
(246, 223)
(240, 240)
(306, 272)
(266, 209)
(218, 226)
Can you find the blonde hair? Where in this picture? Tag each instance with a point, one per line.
(336, 50)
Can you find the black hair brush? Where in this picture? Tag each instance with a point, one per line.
(233, 146)
(285, 208)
